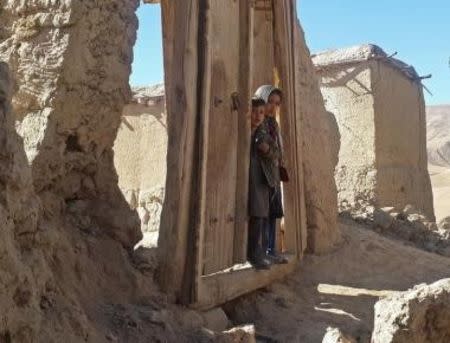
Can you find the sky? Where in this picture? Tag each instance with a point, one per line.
(418, 30)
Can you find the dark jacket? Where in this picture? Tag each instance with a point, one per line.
(276, 202)
(260, 164)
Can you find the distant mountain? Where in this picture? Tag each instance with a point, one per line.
(438, 135)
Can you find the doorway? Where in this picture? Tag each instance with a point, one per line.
(212, 69)
(140, 148)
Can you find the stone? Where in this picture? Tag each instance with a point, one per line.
(420, 315)
(191, 319)
(215, 320)
(444, 224)
(241, 334)
(388, 209)
(335, 335)
(121, 224)
(409, 210)
(382, 219)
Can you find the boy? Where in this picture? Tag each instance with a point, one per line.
(263, 152)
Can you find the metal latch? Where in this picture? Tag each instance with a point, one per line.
(235, 102)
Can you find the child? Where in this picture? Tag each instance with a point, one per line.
(263, 152)
(273, 98)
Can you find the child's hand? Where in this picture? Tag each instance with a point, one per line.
(264, 147)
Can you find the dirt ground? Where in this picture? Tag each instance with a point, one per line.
(440, 181)
(339, 289)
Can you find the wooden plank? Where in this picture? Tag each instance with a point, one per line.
(204, 105)
(223, 131)
(284, 60)
(221, 287)
(263, 50)
(302, 242)
(180, 29)
(243, 150)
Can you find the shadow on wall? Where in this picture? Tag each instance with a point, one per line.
(140, 157)
(70, 107)
(345, 78)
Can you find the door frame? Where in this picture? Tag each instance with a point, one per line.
(187, 54)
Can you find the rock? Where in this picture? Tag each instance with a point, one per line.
(418, 225)
(416, 217)
(215, 320)
(191, 319)
(409, 209)
(145, 259)
(121, 224)
(335, 335)
(388, 209)
(444, 224)
(431, 226)
(241, 334)
(420, 315)
(382, 219)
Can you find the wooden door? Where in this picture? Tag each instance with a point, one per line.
(221, 163)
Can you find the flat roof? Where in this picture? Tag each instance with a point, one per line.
(143, 94)
(361, 53)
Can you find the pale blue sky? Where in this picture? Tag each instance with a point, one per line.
(418, 30)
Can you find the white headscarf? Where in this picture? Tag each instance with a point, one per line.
(265, 91)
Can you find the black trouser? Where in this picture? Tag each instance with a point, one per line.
(255, 229)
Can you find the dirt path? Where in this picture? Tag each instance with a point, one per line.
(338, 289)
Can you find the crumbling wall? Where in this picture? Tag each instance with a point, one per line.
(400, 141)
(347, 92)
(420, 315)
(71, 62)
(19, 209)
(62, 273)
(320, 139)
(379, 105)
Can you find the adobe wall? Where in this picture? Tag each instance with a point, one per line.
(71, 62)
(320, 142)
(64, 221)
(19, 210)
(380, 111)
(347, 92)
(140, 158)
(400, 143)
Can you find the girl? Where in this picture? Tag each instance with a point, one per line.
(263, 153)
(273, 97)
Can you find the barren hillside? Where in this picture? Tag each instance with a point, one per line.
(438, 132)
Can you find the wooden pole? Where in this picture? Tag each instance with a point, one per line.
(180, 37)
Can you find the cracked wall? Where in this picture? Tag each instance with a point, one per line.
(320, 143)
(347, 94)
(64, 221)
(71, 62)
(381, 117)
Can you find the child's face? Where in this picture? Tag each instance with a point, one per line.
(272, 105)
(258, 113)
